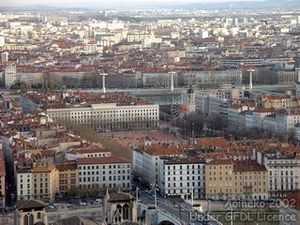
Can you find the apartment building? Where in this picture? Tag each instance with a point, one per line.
(92, 152)
(297, 132)
(278, 102)
(10, 75)
(184, 177)
(210, 101)
(213, 78)
(255, 118)
(40, 182)
(104, 172)
(283, 123)
(24, 183)
(31, 78)
(218, 179)
(68, 176)
(226, 179)
(236, 116)
(284, 172)
(146, 161)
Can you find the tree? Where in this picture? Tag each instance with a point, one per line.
(192, 121)
(216, 122)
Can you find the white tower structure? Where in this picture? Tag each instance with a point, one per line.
(172, 80)
(103, 81)
(250, 79)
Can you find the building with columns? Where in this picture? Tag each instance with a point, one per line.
(109, 111)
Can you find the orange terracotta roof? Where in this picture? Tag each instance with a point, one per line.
(213, 142)
(247, 166)
(160, 150)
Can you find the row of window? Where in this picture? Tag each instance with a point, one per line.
(188, 184)
(103, 172)
(187, 167)
(187, 178)
(98, 179)
(123, 112)
(104, 167)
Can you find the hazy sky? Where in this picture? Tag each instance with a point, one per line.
(71, 3)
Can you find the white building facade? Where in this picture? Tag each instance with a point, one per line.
(24, 185)
(104, 172)
(110, 116)
(10, 75)
(182, 177)
(284, 174)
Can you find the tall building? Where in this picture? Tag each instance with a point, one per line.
(10, 75)
(2, 41)
(4, 57)
(183, 177)
(39, 182)
(146, 161)
(203, 34)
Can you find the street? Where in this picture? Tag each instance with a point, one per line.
(180, 210)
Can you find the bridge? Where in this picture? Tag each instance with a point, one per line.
(157, 216)
(144, 92)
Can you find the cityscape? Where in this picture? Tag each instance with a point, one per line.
(150, 112)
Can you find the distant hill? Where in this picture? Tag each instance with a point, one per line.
(133, 4)
(268, 4)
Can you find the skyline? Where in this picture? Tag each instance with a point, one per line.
(112, 3)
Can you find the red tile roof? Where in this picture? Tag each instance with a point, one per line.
(220, 142)
(247, 166)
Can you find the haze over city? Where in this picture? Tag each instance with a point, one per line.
(112, 3)
(161, 112)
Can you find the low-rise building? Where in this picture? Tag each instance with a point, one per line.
(226, 179)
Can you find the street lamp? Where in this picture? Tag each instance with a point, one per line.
(155, 196)
(137, 194)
